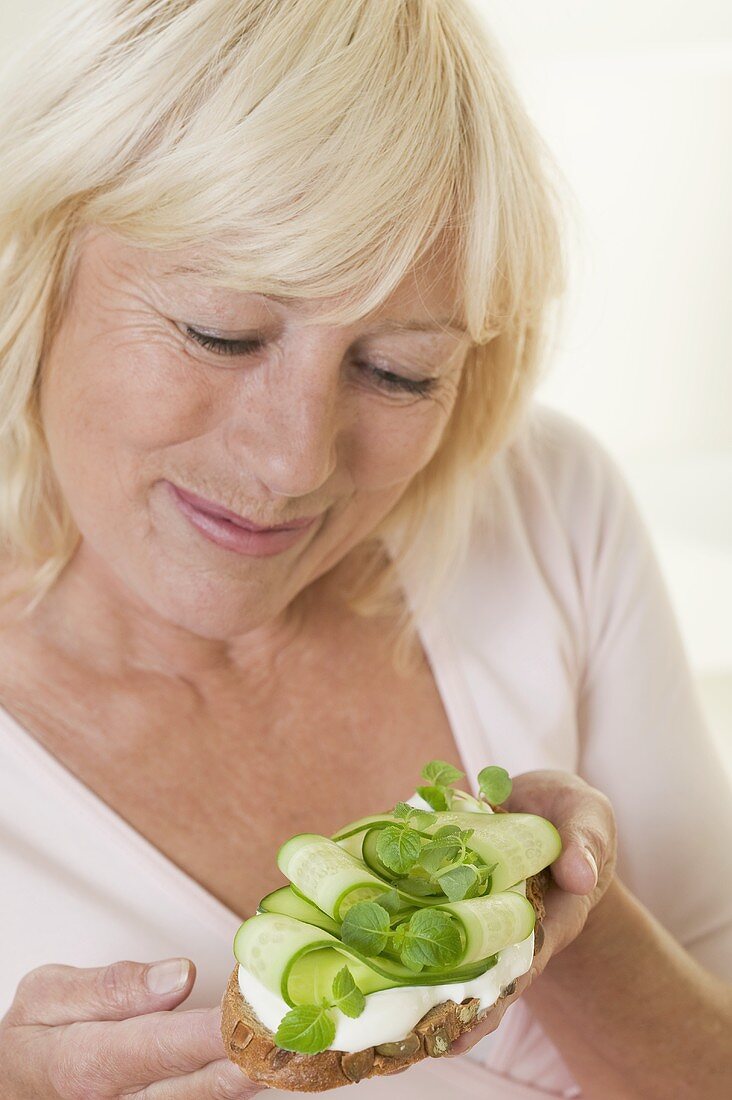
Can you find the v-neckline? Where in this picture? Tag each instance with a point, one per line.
(441, 651)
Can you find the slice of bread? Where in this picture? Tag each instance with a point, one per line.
(251, 1045)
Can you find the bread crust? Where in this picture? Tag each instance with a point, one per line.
(251, 1045)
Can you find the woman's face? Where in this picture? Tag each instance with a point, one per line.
(323, 421)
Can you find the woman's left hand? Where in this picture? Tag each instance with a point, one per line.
(586, 824)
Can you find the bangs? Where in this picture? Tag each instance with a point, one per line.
(315, 149)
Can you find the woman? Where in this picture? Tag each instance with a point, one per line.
(290, 265)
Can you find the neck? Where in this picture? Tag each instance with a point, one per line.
(89, 616)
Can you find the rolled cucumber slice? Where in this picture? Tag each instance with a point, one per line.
(492, 922)
(271, 946)
(285, 900)
(330, 877)
(520, 844)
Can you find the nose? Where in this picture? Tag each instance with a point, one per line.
(292, 430)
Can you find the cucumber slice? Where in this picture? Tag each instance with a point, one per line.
(370, 856)
(330, 877)
(363, 823)
(271, 945)
(311, 976)
(286, 900)
(492, 922)
(521, 844)
(353, 844)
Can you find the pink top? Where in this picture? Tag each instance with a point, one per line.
(555, 647)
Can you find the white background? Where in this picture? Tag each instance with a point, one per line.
(634, 99)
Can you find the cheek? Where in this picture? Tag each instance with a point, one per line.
(393, 444)
(121, 400)
(109, 409)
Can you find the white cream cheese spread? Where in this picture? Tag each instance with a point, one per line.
(389, 1014)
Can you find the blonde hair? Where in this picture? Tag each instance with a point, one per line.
(315, 148)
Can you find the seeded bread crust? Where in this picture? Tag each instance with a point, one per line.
(251, 1045)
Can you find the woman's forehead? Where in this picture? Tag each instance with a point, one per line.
(425, 300)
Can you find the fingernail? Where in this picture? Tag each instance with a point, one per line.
(167, 976)
(592, 864)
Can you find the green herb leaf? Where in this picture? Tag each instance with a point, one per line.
(433, 939)
(307, 1029)
(495, 783)
(439, 772)
(390, 901)
(433, 855)
(417, 886)
(457, 881)
(346, 994)
(434, 796)
(402, 809)
(365, 927)
(420, 819)
(411, 962)
(398, 848)
(447, 832)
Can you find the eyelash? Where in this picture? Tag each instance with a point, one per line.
(418, 387)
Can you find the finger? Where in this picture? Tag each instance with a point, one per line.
(56, 994)
(485, 1025)
(221, 1080)
(137, 1052)
(583, 817)
(493, 1015)
(586, 824)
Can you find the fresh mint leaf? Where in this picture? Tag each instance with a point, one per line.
(446, 832)
(420, 819)
(410, 962)
(346, 994)
(434, 797)
(402, 809)
(417, 886)
(432, 939)
(390, 901)
(433, 855)
(495, 783)
(439, 772)
(307, 1029)
(457, 881)
(398, 848)
(365, 927)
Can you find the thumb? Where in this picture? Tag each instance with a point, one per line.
(56, 994)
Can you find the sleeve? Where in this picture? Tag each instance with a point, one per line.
(643, 737)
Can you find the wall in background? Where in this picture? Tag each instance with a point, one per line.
(635, 101)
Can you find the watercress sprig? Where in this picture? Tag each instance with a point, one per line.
(310, 1028)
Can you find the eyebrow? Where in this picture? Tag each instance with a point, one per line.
(437, 324)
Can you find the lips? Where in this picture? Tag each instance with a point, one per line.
(211, 508)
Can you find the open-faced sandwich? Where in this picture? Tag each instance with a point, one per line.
(393, 936)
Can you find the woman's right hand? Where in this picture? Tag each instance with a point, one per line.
(100, 1033)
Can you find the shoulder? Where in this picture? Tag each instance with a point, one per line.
(567, 458)
(556, 478)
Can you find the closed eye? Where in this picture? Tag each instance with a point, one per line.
(419, 387)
